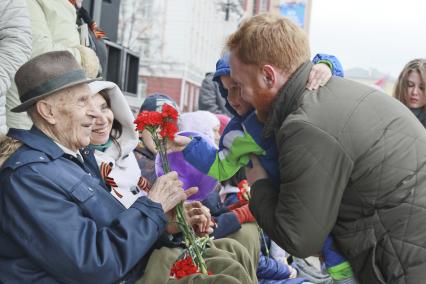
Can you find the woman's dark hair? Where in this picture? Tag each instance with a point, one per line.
(117, 129)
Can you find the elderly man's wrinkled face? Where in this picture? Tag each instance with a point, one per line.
(73, 113)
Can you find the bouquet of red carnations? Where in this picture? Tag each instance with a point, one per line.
(163, 126)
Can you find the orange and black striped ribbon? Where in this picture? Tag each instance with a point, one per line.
(144, 184)
(98, 32)
(105, 171)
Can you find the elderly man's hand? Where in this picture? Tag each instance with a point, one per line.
(198, 216)
(167, 190)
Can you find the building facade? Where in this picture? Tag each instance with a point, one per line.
(179, 42)
(254, 7)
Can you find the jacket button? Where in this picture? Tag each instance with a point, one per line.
(18, 163)
(41, 158)
(90, 189)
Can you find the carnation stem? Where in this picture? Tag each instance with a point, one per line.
(190, 239)
(188, 231)
(160, 144)
(164, 160)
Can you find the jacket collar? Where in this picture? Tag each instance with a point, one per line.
(288, 99)
(420, 113)
(37, 140)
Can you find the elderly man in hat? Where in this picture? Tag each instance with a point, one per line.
(58, 223)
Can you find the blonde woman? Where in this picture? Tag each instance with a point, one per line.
(410, 88)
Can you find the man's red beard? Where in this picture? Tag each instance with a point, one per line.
(263, 105)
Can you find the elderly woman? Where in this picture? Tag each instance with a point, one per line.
(58, 222)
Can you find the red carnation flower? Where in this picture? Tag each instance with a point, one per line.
(184, 267)
(168, 130)
(169, 112)
(151, 119)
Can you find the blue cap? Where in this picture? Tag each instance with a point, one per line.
(222, 68)
(155, 101)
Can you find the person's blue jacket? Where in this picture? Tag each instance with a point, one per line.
(59, 224)
(227, 222)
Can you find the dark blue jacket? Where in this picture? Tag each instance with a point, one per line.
(226, 221)
(59, 224)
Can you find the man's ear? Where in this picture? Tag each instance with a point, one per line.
(45, 110)
(269, 76)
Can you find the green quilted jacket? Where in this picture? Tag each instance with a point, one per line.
(352, 162)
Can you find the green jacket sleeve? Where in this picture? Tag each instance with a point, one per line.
(222, 164)
(300, 212)
(229, 160)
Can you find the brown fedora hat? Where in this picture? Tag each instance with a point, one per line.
(45, 75)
